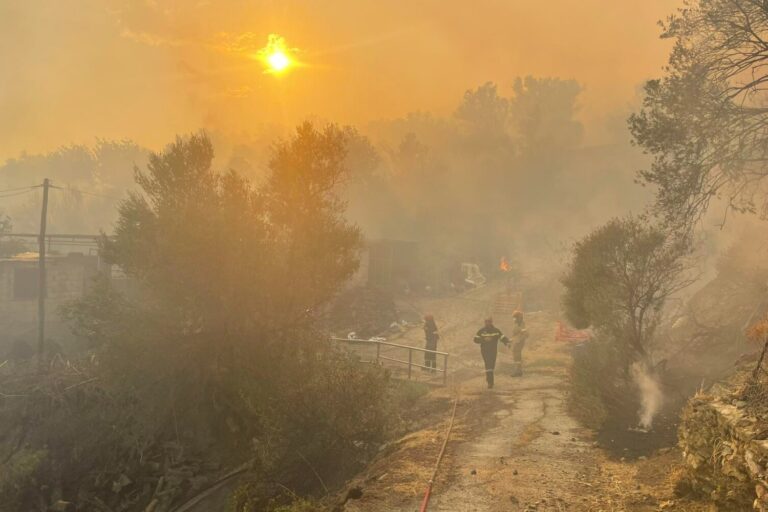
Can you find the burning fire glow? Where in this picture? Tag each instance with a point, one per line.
(504, 265)
(276, 56)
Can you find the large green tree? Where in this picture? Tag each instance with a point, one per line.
(705, 121)
(219, 343)
(619, 279)
(230, 254)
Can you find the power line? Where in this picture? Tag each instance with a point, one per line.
(20, 188)
(14, 194)
(76, 190)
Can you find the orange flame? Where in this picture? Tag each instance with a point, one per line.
(504, 265)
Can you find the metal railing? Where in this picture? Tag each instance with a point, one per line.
(382, 357)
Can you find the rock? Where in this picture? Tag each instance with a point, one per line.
(121, 483)
(62, 506)
(514, 472)
(473, 472)
(555, 433)
(752, 463)
(354, 493)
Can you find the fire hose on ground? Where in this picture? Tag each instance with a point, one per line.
(428, 492)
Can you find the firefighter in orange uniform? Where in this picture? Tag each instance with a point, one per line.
(519, 335)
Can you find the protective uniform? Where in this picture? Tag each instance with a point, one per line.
(431, 336)
(488, 338)
(519, 335)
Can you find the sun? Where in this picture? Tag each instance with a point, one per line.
(276, 56)
(278, 61)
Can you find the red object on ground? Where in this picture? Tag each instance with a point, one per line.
(563, 333)
(425, 502)
(428, 493)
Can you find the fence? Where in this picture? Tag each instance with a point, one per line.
(384, 351)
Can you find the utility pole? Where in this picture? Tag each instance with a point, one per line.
(41, 278)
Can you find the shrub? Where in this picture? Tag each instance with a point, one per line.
(598, 386)
(17, 476)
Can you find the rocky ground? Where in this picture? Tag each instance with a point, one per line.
(513, 447)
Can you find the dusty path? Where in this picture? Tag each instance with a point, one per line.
(514, 448)
(519, 449)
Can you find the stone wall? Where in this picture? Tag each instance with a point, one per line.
(726, 452)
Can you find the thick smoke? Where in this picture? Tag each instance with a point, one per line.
(651, 396)
(507, 174)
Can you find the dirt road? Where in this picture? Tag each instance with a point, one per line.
(513, 447)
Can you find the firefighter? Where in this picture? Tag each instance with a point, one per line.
(519, 335)
(488, 338)
(431, 336)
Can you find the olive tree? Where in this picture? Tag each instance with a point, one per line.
(620, 277)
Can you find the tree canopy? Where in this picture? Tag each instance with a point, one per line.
(221, 335)
(619, 279)
(276, 252)
(705, 121)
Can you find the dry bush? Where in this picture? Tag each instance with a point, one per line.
(755, 390)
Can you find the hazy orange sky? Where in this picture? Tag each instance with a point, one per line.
(74, 70)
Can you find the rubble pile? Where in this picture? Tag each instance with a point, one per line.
(725, 450)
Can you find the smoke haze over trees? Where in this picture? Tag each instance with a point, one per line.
(502, 167)
(92, 180)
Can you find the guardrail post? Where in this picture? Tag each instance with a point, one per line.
(410, 362)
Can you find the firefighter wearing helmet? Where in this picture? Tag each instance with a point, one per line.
(488, 337)
(519, 335)
(431, 336)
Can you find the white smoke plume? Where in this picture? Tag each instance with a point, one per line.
(651, 396)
